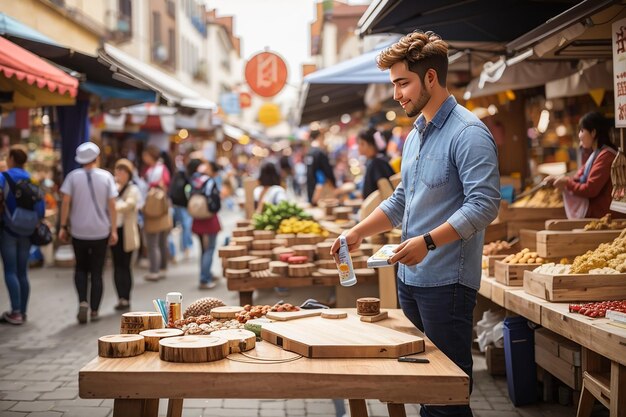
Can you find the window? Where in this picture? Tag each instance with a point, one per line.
(171, 47)
(156, 28)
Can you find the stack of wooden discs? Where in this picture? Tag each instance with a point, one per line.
(309, 238)
(326, 264)
(236, 273)
(136, 322)
(243, 231)
(264, 234)
(301, 270)
(277, 252)
(244, 223)
(368, 306)
(232, 251)
(342, 213)
(240, 262)
(278, 243)
(289, 237)
(328, 204)
(260, 268)
(259, 244)
(243, 241)
(193, 349)
(323, 250)
(239, 340)
(152, 337)
(121, 345)
(279, 268)
(305, 250)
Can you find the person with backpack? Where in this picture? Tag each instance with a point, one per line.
(22, 207)
(156, 212)
(204, 203)
(179, 190)
(88, 214)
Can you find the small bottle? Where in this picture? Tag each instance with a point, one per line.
(346, 271)
(174, 302)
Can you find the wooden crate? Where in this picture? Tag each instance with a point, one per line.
(528, 239)
(569, 374)
(559, 346)
(514, 227)
(498, 292)
(559, 244)
(524, 304)
(575, 287)
(496, 231)
(507, 213)
(485, 287)
(512, 274)
(566, 224)
(491, 263)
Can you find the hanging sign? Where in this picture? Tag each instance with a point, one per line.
(266, 74)
(619, 71)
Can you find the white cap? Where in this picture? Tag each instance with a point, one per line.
(87, 152)
(174, 297)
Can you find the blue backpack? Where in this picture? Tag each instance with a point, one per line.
(24, 218)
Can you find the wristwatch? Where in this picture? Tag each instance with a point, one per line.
(430, 244)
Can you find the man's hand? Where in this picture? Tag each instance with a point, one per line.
(113, 238)
(410, 252)
(63, 237)
(353, 239)
(561, 182)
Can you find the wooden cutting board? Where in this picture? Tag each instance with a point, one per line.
(315, 337)
(292, 315)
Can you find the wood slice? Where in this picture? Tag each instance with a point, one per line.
(328, 272)
(244, 223)
(226, 312)
(302, 270)
(279, 268)
(309, 238)
(276, 252)
(266, 273)
(243, 241)
(240, 262)
(289, 237)
(152, 337)
(326, 264)
(237, 273)
(305, 250)
(239, 340)
(135, 322)
(243, 231)
(343, 212)
(259, 264)
(278, 243)
(121, 345)
(258, 244)
(323, 250)
(264, 234)
(261, 253)
(193, 349)
(368, 306)
(359, 262)
(378, 317)
(227, 252)
(367, 249)
(334, 314)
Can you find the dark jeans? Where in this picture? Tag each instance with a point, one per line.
(14, 250)
(208, 244)
(444, 314)
(90, 255)
(122, 274)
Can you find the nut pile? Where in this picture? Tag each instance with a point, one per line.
(542, 198)
(606, 255)
(254, 312)
(204, 324)
(494, 248)
(525, 256)
(606, 223)
(553, 269)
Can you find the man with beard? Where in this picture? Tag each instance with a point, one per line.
(448, 195)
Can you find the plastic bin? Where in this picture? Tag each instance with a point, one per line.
(519, 356)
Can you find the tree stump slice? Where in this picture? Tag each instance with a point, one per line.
(243, 241)
(278, 243)
(301, 270)
(226, 312)
(264, 234)
(227, 252)
(121, 345)
(152, 337)
(261, 244)
(368, 306)
(239, 340)
(135, 322)
(259, 264)
(279, 268)
(323, 250)
(240, 262)
(334, 314)
(261, 253)
(193, 349)
(243, 231)
(305, 250)
(244, 223)
(289, 237)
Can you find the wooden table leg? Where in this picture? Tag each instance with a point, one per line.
(175, 407)
(245, 297)
(151, 408)
(358, 408)
(127, 408)
(585, 404)
(396, 410)
(618, 390)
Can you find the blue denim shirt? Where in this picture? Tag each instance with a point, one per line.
(449, 174)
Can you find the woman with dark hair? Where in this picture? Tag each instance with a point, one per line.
(372, 145)
(588, 193)
(269, 189)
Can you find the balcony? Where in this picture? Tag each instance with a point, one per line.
(199, 24)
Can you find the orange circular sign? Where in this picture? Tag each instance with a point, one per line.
(266, 74)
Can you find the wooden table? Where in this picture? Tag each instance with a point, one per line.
(136, 384)
(385, 277)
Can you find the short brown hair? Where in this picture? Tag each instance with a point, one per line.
(421, 51)
(19, 154)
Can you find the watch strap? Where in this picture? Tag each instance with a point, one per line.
(430, 244)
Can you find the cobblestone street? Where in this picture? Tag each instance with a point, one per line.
(39, 361)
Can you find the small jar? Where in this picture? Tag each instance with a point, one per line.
(174, 302)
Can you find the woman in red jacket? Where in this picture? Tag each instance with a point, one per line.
(588, 193)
